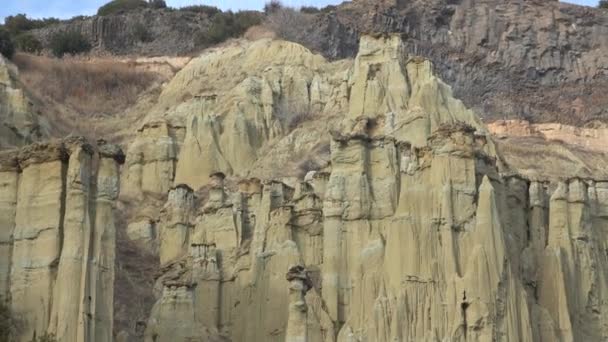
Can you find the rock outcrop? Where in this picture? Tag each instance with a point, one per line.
(588, 138)
(420, 230)
(58, 238)
(19, 124)
(142, 32)
(414, 225)
(542, 60)
(221, 112)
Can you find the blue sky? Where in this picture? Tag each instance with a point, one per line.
(70, 8)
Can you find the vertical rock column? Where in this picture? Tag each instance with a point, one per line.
(175, 228)
(37, 236)
(347, 198)
(100, 295)
(299, 284)
(9, 178)
(68, 312)
(206, 276)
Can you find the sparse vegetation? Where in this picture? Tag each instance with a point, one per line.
(142, 33)
(20, 23)
(99, 87)
(291, 24)
(69, 42)
(121, 6)
(158, 4)
(309, 9)
(603, 4)
(209, 10)
(27, 42)
(7, 47)
(273, 6)
(227, 25)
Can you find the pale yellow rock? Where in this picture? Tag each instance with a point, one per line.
(19, 124)
(175, 227)
(37, 241)
(9, 181)
(61, 251)
(151, 158)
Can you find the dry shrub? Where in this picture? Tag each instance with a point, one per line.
(259, 32)
(93, 88)
(290, 24)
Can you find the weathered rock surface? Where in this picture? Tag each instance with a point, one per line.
(422, 229)
(224, 108)
(143, 32)
(19, 124)
(58, 238)
(414, 224)
(591, 138)
(542, 60)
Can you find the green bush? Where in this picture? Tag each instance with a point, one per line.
(142, 33)
(18, 23)
(7, 48)
(69, 42)
(309, 9)
(26, 42)
(158, 4)
(273, 6)
(603, 4)
(209, 10)
(227, 25)
(121, 6)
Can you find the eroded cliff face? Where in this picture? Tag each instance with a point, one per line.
(19, 124)
(420, 227)
(543, 60)
(58, 238)
(409, 222)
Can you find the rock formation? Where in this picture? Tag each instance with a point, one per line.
(19, 124)
(543, 60)
(414, 225)
(421, 231)
(58, 238)
(593, 138)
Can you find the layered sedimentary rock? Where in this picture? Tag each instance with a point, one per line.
(421, 228)
(59, 238)
(19, 124)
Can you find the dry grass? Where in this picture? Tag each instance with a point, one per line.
(103, 87)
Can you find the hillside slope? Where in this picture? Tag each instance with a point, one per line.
(544, 61)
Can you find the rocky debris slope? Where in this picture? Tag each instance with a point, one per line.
(420, 227)
(58, 238)
(542, 60)
(19, 124)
